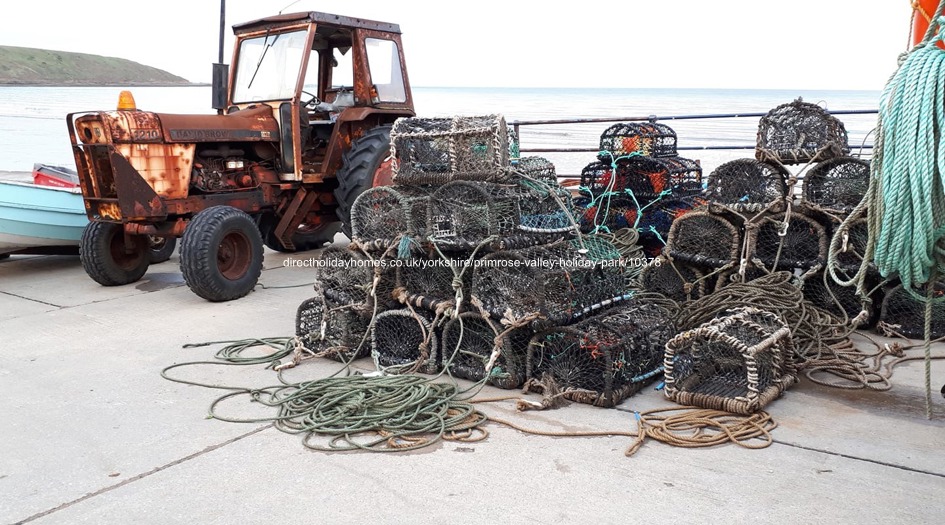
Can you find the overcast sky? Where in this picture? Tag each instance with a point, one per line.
(799, 44)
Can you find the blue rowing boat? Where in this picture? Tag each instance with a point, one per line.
(40, 219)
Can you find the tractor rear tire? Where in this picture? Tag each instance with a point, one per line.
(221, 254)
(161, 248)
(105, 257)
(357, 170)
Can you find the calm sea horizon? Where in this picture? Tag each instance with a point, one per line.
(33, 118)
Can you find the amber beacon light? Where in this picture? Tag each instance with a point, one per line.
(126, 101)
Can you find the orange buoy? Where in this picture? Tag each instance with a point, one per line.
(923, 11)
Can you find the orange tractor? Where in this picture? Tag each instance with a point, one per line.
(303, 127)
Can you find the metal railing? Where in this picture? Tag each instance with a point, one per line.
(518, 124)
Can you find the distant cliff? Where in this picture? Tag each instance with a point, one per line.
(29, 66)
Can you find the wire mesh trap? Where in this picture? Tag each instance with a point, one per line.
(836, 185)
(790, 241)
(382, 215)
(677, 281)
(647, 178)
(428, 282)
(346, 277)
(641, 138)
(553, 284)
(799, 132)
(468, 349)
(465, 215)
(440, 150)
(329, 329)
(405, 341)
(903, 312)
(854, 239)
(537, 168)
(704, 239)
(604, 359)
(544, 206)
(840, 301)
(747, 184)
(738, 362)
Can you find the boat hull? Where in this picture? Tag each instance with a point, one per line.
(34, 216)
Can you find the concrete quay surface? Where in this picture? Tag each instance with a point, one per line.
(91, 433)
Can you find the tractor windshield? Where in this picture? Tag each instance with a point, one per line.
(267, 67)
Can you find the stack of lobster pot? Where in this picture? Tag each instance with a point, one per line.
(756, 219)
(472, 263)
(638, 183)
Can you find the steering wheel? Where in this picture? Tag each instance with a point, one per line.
(312, 101)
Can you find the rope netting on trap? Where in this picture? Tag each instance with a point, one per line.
(482, 349)
(738, 362)
(646, 178)
(789, 241)
(747, 185)
(550, 284)
(441, 150)
(799, 132)
(383, 215)
(842, 302)
(704, 239)
(903, 312)
(406, 341)
(432, 282)
(836, 186)
(601, 360)
(676, 280)
(349, 277)
(328, 329)
(649, 139)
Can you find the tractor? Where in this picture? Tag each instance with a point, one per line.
(303, 124)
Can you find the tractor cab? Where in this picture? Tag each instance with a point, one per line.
(323, 76)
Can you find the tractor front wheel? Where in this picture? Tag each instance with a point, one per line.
(221, 254)
(161, 248)
(106, 257)
(366, 155)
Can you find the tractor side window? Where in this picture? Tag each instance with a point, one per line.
(386, 74)
(268, 67)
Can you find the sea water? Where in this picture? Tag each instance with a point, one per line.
(33, 119)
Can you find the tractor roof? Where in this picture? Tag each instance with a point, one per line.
(274, 22)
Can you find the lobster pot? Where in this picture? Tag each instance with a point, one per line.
(537, 168)
(704, 239)
(747, 185)
(837, 185)
(381, 216)
(738, 362)
(802, 244)
(441, 150)
(677, 281)
(329, 329)
(645, 177)
(854, 239)
(904, 313)
(603, 359)
(463, 215)
(556, 282)
(609, 213)
(640, 138)
(657, 219)
(405, 341)
(840, 301)
(544, 207)
(467, 349)
(800, 132)
(428, 282)
(347, 277)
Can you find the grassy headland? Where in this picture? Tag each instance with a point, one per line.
(41, 67)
